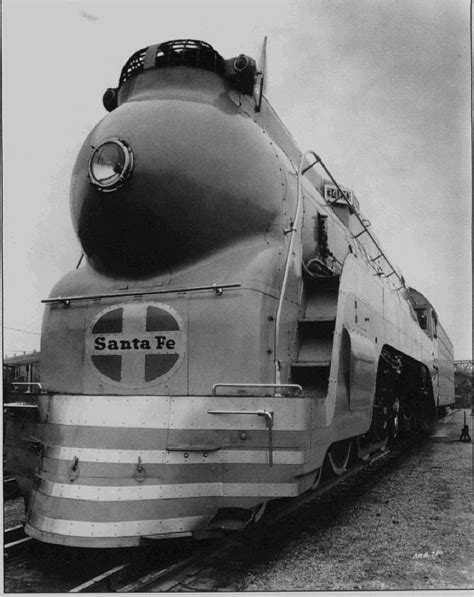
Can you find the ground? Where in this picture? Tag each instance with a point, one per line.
(412, 529)
(13, 513)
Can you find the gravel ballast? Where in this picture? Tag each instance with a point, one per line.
(411, 529)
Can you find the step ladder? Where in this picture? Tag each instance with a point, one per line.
(316, 328)
(315, 336)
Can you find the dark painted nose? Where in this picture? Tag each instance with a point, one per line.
(204, 174)
(127, 238)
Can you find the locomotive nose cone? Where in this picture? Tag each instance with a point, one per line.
(176, 173)
(125, 238)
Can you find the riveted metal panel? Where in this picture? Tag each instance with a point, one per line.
(122, 511)
(93, 437)
(363, 372)
(99, 530)
(226, 347)
(126, 493)
(205, 458)
(106, 411)
(241, 438)
(163, 492)
(174, 457)
(161, 412)
(62, 347)
(192, 413)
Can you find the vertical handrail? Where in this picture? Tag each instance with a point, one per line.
(291, 230)
(269, 419)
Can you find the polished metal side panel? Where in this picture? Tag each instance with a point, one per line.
(221, 337)
(62, 347)
(139, 412)
(363, 372)
(445, 358)
(165, 412)
(191, 463)
(373, 313)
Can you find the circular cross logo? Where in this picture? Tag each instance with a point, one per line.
(136, 344)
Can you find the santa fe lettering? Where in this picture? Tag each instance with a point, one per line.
(100, 343)
(162, 341)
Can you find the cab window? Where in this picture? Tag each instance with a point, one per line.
(422, 318)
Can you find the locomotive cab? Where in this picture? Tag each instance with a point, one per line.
(426, 315)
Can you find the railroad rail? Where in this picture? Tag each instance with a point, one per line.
(10, 488)
(15, 540)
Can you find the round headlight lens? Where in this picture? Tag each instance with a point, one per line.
(111, 164)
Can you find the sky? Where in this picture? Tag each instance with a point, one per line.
(380, 89)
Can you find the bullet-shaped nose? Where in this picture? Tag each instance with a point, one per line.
(166, 179)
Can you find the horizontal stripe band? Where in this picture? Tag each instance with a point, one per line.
(173, 491)
(121, 438)
(101, 475)
(115, 529)
(98, 511)
(165, 412)
(173, 457)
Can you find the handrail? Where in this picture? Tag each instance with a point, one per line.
(292, 386)
(217, 288)
(291, 231)
(362, 223)
(267, 414)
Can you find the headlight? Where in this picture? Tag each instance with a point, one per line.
(110, 164)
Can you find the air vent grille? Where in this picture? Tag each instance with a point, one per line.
(179, 52)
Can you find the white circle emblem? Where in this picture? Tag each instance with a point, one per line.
(135, 345)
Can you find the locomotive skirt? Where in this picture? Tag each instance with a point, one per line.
(115, 469)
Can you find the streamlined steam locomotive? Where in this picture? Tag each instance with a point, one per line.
(236, 324)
